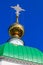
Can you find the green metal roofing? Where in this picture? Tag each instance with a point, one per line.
(21, 52)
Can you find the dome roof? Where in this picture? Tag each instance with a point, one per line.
(23, 53)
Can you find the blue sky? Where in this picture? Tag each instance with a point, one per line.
(31, 19)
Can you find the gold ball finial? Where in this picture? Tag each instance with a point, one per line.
(16, 30)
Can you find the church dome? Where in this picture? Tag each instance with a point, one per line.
(21, 54)
(16, 30)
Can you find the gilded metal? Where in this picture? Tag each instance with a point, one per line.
(16, 30)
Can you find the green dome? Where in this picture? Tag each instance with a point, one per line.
(25, 53)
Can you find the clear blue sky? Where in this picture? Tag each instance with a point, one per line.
(31, 19)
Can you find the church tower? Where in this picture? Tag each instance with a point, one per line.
(14, 52)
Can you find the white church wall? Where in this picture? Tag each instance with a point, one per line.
(0, 62)
(3, 62)
(8, 63)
